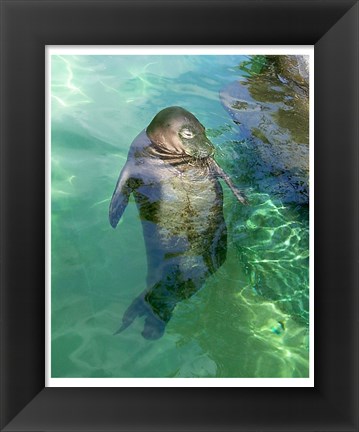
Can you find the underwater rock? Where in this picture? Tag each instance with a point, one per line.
(271, 111)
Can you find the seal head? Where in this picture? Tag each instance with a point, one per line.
(176, 132)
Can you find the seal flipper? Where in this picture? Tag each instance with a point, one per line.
(136, 309)
(237, 193)
(120, 198)
(154, 327)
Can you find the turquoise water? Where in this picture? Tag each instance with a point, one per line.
(251, 319)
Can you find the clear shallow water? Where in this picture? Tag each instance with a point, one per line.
(251, 317)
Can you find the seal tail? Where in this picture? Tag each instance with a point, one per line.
(136, 309)
(154, 327)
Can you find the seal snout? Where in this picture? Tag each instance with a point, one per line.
(200, 148)
(200, 153)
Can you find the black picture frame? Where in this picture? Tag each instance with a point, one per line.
(26, 28)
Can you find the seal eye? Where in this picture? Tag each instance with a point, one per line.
(186, 134)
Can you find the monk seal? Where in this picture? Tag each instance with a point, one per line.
(171, 172)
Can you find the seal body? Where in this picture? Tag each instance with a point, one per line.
(174, 180)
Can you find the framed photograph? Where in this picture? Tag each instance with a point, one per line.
(230, 278)
(184, 245)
